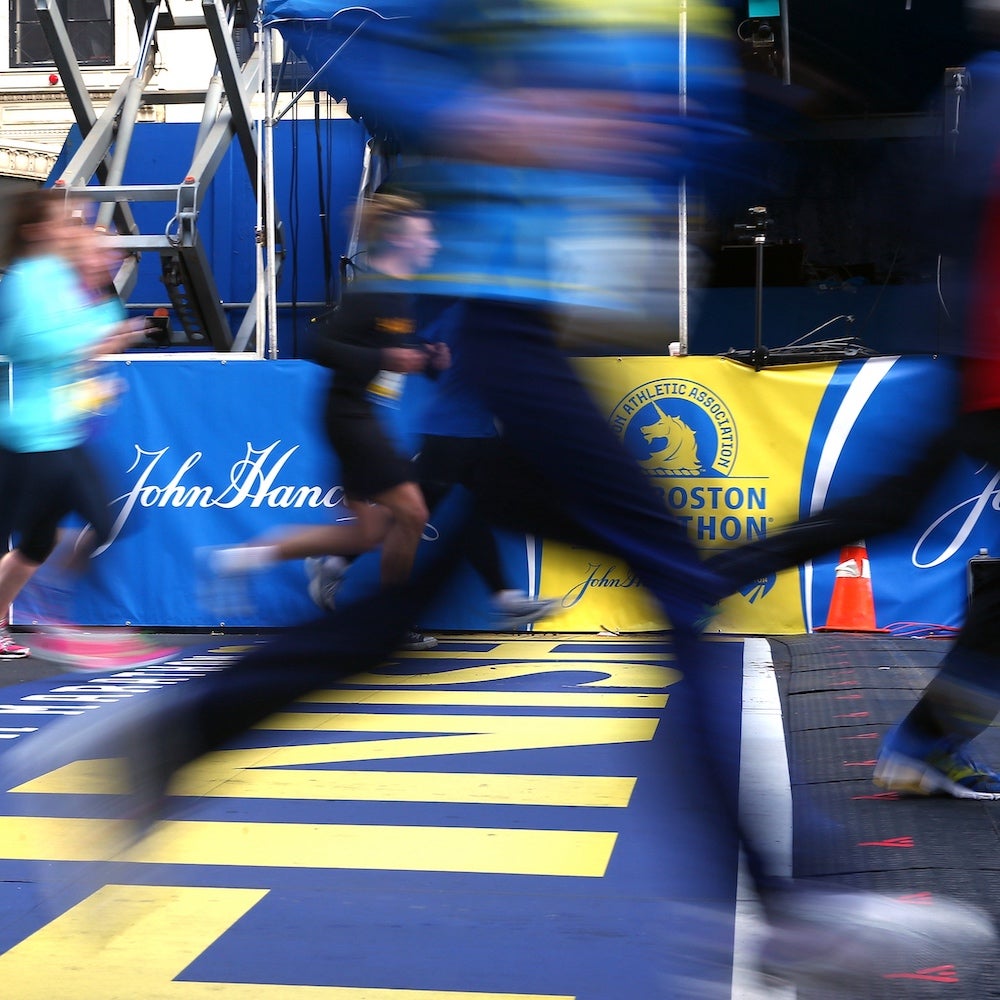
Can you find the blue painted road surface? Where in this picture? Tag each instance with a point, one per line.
(496, 818)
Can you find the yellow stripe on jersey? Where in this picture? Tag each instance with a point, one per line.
(703, 18)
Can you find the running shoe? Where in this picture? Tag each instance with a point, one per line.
(912, 766)
(326, 573)
(854, 938)
(93, 652)
(10, 650)
(415, 641)
(222, 587)
(514, 607)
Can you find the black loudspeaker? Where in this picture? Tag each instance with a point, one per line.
(983, 571)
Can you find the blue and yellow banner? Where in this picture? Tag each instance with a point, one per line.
(695, 426)
(205, 453)
(737, 454)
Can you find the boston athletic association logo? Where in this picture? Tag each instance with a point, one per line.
(685, 439)
(675, 428)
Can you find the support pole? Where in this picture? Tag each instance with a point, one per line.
(267, 156)
(758, 223)
(786, 58)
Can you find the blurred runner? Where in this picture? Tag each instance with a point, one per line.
(458, 447)
(928, 752)
(549, 140)
(56, 316)
(370, 343)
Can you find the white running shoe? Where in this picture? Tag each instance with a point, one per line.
(852, 938)
(326, 573)
(514, 607)
(222, 587)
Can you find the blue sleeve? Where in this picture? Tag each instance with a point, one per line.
(44, 314)
(392, 68)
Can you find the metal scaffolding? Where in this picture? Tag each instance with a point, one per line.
(97, 168)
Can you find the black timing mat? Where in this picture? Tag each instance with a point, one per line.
(844, 692)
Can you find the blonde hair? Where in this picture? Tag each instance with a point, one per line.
(382, 216)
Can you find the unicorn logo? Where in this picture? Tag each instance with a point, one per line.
(678, 455)
(677, 428)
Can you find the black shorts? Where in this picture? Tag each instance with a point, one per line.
(41, 488)
(370, 463)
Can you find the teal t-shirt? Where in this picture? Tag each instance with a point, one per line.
(48, 329)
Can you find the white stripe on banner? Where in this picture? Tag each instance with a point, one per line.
(532, 553)
(859, 392)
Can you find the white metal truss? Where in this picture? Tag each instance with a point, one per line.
(97, 167)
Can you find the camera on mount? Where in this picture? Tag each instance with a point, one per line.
(756, 228)
(762, 37)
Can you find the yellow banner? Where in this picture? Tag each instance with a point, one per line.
(728, 466)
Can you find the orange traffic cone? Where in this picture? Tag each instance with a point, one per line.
(852, 607)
